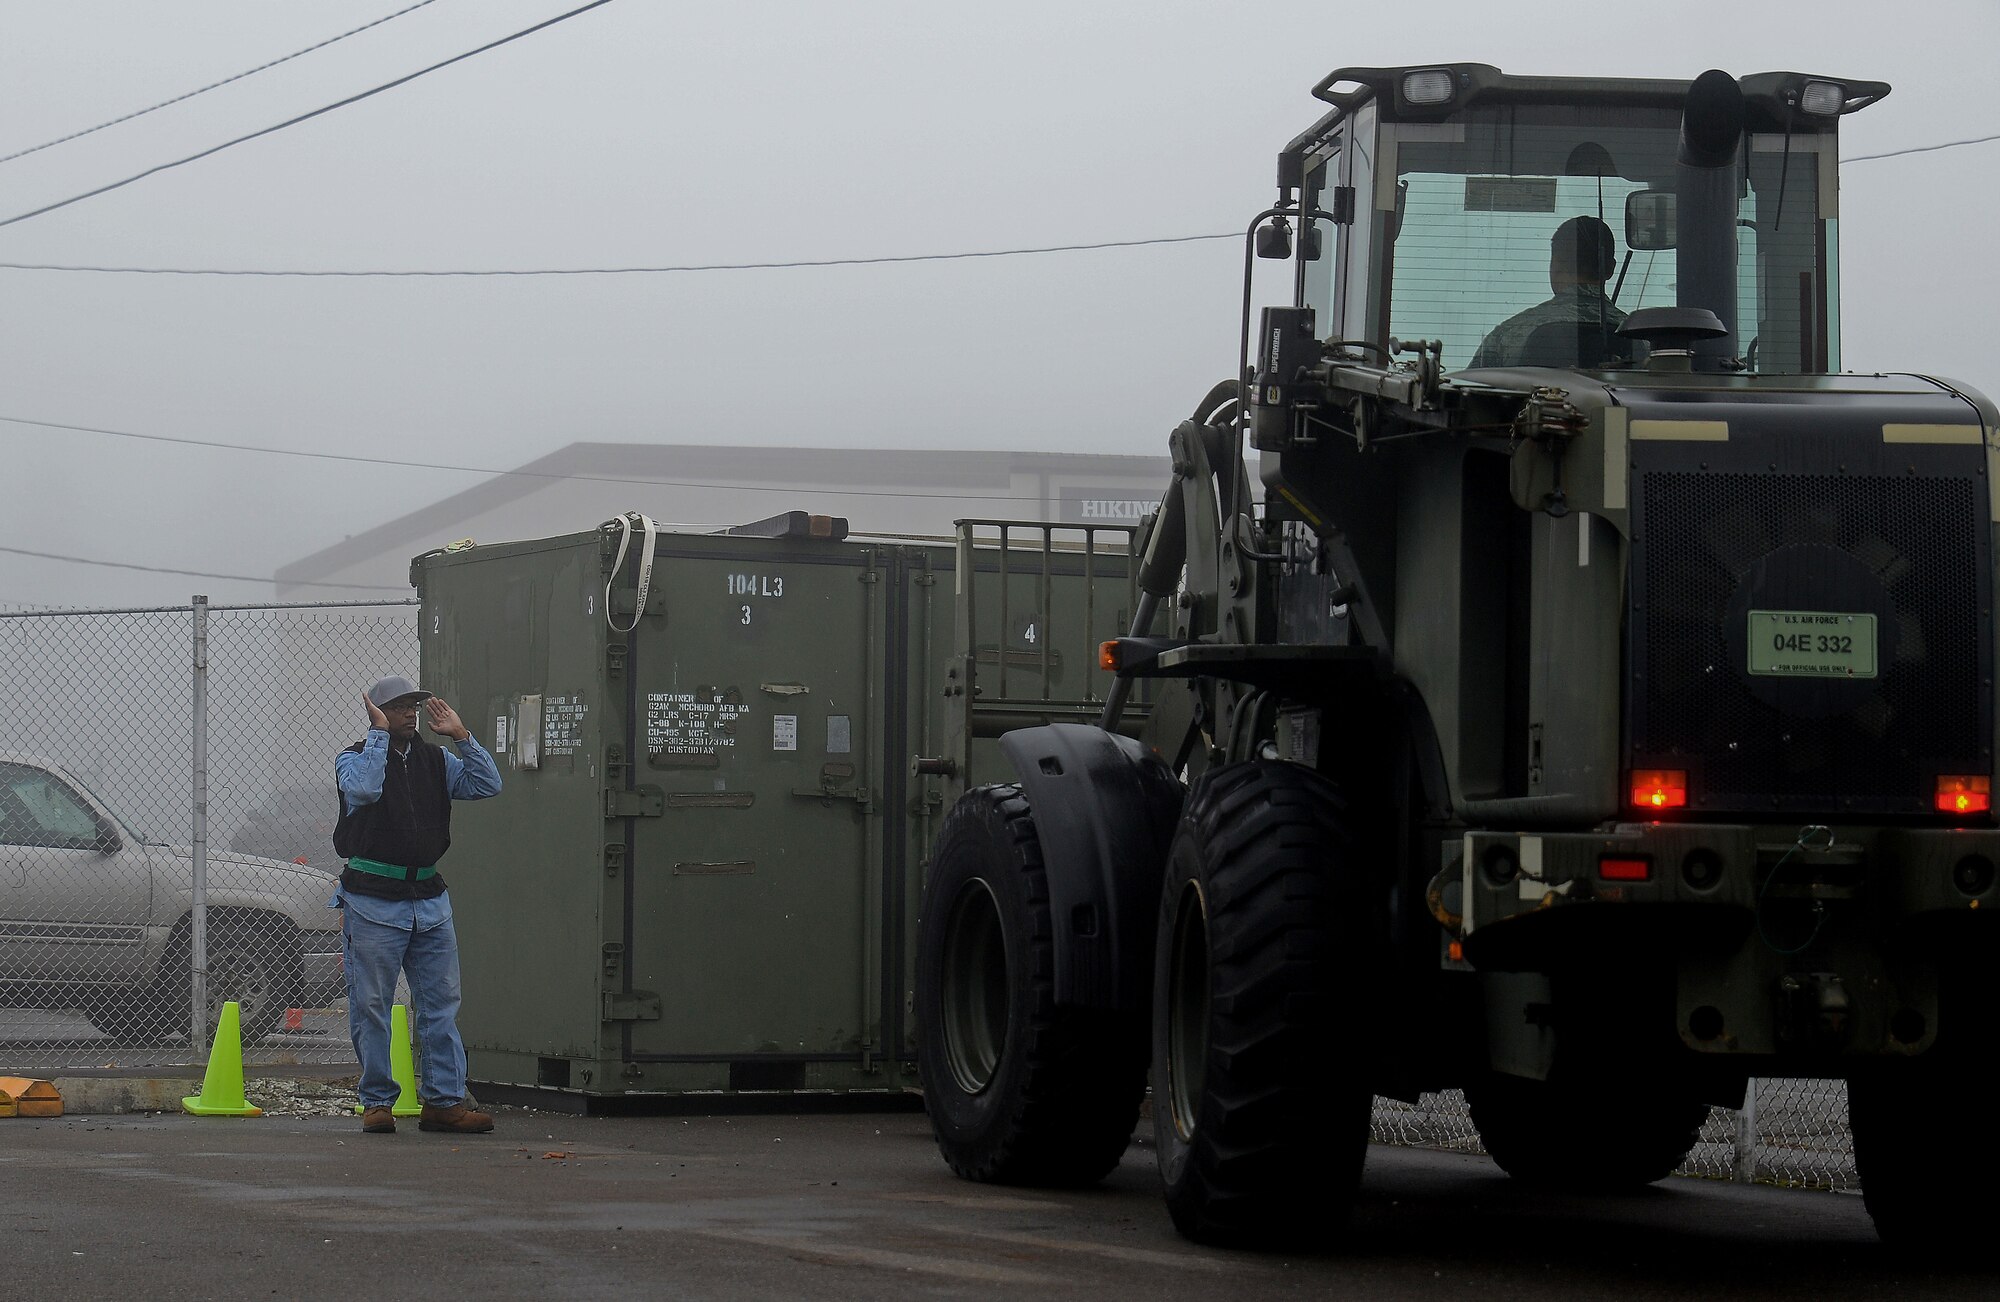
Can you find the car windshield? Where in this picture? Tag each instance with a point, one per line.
(1515, 218)
(132, 831)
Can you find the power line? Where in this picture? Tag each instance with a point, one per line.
(303, 117)
(1921, 149)
(139, 113)
(492, 471)
(192, 574)
(630, 271)
(1025, 251)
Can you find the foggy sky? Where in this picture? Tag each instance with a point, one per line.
(650, 132)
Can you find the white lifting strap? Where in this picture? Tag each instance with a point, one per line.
(652, 532)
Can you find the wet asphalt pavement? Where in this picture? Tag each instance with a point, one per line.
(830, 1206)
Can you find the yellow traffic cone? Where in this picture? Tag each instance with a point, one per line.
(402, 1063)
(402, 1066)
(222, 1085)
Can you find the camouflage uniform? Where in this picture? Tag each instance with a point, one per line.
(1577, 305)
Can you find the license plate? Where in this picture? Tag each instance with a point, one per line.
(1812, 644)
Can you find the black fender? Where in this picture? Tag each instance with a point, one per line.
(1105, 807)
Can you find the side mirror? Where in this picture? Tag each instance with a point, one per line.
(1275, 240)
(108, 841)
(1650, 220)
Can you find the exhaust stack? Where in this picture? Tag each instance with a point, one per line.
(1707, 186)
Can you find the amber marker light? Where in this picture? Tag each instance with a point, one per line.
(1659, 788)
(1964, 793)
(1107, 655)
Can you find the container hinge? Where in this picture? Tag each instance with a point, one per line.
(614, 957)
(614, 859)
(644, 802)
(614, 659)
(631, 1006)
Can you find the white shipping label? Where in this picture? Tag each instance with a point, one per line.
(499, 734)
(784, 732)
(562, 724)
(701, 722)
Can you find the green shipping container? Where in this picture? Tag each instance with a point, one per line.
(703, 872)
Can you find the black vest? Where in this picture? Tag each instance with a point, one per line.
(409, 826)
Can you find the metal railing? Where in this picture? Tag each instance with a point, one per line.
(1035, 601)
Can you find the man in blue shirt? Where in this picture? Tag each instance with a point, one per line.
(396, 791)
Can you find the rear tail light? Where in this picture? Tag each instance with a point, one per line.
(1659, 788)
(1961, 793)
(1625, 868)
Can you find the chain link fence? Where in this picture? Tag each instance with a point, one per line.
(166, 817)
(129, 735)
(1789, 1132)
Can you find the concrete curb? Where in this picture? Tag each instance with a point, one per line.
(161, 1089)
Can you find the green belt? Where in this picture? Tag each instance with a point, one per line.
(391, 870)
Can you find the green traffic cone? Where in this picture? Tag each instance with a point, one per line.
(402, 1066)
(402, 1063)
(222, 1084)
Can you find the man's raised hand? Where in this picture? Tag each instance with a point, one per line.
(376, 719)
(444, 720)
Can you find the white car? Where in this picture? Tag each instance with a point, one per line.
(96, 917)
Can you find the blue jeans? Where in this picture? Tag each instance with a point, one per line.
(379, 938)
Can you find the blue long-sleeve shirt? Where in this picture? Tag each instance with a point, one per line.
(469, 775)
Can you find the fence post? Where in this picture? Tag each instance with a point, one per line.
(1746, 1136)
(198, 986)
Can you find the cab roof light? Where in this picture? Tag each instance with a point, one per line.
(1625, 868)
(1822, 98)
(1964, 793)
(1660, 788)
(1430, 86)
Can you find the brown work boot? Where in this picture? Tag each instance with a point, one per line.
(457, 1118)
(378, 1121)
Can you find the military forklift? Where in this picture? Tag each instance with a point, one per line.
(1593, 712)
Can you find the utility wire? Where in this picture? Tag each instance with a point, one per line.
(78, 135)
(303, 117)
(492, 471)
(1921, 149)
(193, 574)
(630, 271)
(742, 266)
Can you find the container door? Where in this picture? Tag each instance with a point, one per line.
(756, 892)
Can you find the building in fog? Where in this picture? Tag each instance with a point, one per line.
(879, 491)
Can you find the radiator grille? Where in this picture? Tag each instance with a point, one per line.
(1920, 536)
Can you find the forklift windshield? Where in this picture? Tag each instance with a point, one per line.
(1522, 235)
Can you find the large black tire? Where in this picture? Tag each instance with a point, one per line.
(1019, 1089)
(1563, 1137)
(1923, 1187)
(1268, 930)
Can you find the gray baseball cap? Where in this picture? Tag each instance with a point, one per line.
(394, 688)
